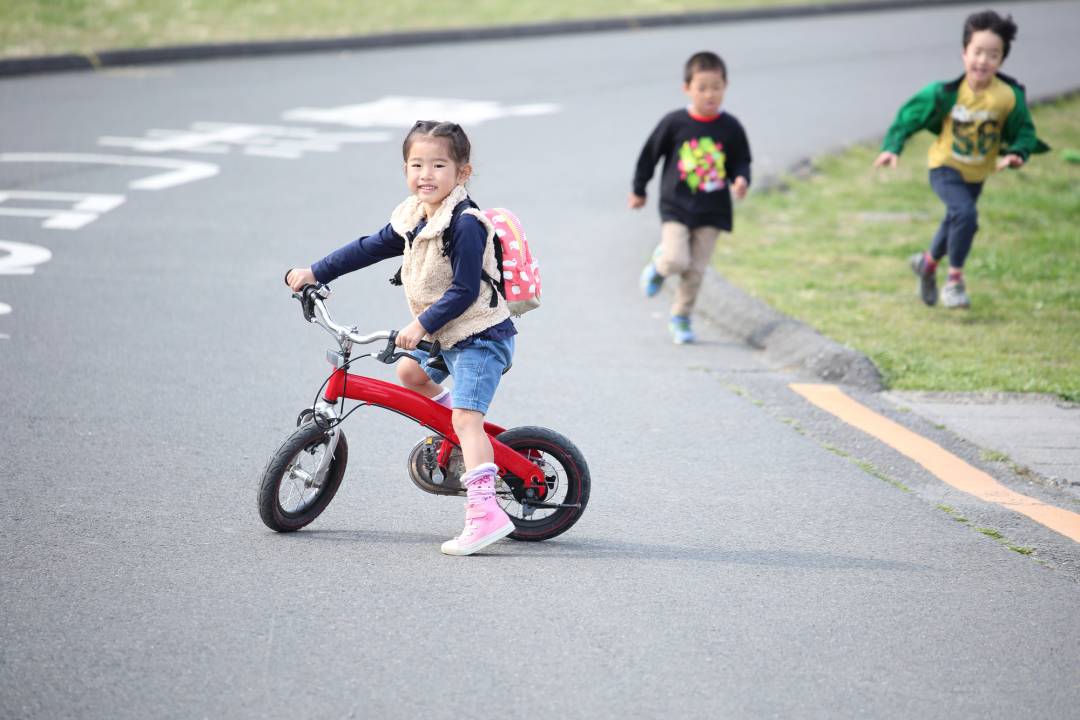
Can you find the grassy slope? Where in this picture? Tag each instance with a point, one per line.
(37, 27)
(832, 250)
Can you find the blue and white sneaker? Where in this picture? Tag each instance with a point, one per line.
(679, 325)
(651, 280)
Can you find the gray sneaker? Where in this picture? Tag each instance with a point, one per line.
(927, 280)
(953, 295)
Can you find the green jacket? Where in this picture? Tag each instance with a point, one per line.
(931, 105)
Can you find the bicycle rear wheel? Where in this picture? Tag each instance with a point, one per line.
(291, 494)
(567, 477)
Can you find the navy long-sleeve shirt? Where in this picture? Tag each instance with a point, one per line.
(701, 158)
(466, 261)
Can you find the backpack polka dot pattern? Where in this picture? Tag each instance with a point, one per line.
(520, 270)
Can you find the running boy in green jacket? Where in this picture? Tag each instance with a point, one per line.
(983, 126)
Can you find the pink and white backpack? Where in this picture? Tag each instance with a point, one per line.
(520, 270)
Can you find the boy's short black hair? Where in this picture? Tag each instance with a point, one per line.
(1003, 27)
(701, 62)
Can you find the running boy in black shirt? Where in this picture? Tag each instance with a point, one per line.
(706, 160)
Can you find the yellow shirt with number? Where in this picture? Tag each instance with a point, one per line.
(971, 135)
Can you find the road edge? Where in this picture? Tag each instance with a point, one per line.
(785, 341)
(96, 60)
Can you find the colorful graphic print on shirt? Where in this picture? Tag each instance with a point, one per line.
(976, 134)
(701, 164)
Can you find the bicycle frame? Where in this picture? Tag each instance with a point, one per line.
(431, 414)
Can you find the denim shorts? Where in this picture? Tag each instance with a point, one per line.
(475, 368)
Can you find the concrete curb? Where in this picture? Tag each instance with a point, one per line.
(786, 341)
(11, 67)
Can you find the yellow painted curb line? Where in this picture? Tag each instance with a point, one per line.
(946, 466)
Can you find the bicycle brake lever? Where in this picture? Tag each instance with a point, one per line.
(306, 305)
(388, 354)
(307, 296)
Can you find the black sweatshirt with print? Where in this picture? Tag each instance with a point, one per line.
(702, 157)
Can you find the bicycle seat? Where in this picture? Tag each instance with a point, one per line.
(438, 363)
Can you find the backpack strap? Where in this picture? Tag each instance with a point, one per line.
(495, 283)
(462, 207)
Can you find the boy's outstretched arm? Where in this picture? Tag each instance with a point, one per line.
(1008, 161)
(738, 171)
(913, 116)
(739, 187)
(1018, 135)
(887, 159)
(654, 149)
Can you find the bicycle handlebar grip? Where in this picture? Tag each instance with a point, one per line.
(431, 348)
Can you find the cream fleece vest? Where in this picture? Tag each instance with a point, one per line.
(426, 273)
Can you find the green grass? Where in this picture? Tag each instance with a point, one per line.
(832, 251)
(989, 532)
(37, 27)
(953, 513)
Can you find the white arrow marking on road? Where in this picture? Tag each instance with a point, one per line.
(178, 140)
(84, 208)
(180, 171)
(401, 111)
(20, 260)
(4, 310)
(263, 140)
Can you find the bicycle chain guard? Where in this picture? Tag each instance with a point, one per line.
(426, 474)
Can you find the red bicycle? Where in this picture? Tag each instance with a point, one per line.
(543, 480)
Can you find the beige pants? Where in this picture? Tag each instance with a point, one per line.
(686, 253)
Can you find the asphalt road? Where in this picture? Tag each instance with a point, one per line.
(733, 561)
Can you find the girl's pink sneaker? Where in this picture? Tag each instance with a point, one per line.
(485, 521)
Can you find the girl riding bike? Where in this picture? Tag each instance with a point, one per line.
(446, 248)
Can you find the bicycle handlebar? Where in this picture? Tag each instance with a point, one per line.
(311, 300)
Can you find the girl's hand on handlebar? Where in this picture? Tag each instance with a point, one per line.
(410, 335)
(297, 278)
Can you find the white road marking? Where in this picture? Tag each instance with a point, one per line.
(83, 208)
(20, 260)
(179, 172)
(262, 140)
(4, 310)
(401, 111)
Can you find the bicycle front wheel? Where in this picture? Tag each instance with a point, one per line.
(291, 493)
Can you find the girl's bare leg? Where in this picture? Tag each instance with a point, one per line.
(412, 376)
(475, 446)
